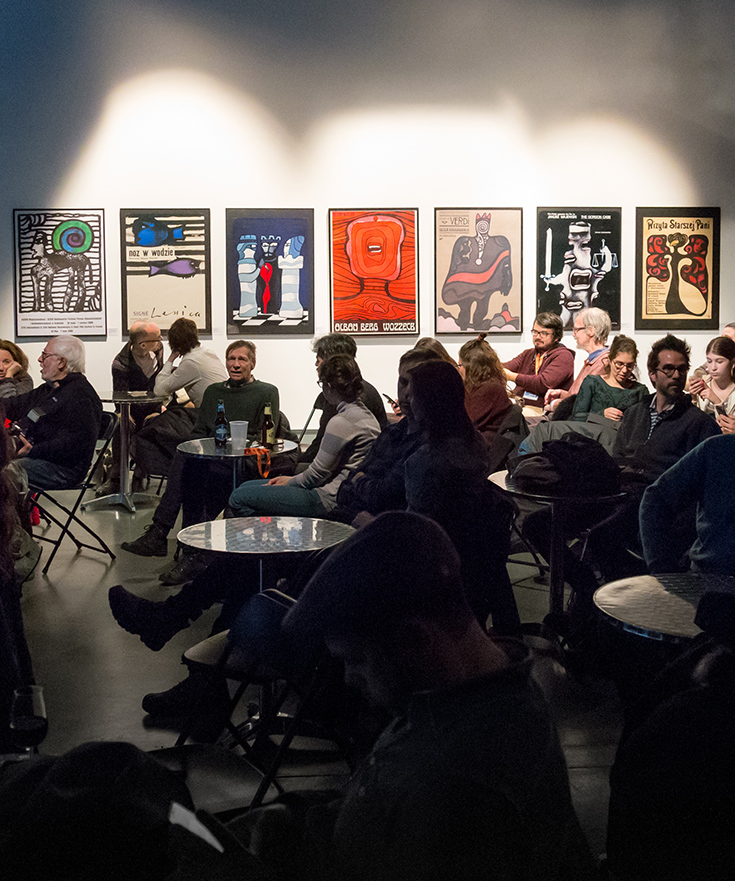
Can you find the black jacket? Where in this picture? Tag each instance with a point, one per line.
(62, 422)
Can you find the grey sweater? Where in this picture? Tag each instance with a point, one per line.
(347, 439)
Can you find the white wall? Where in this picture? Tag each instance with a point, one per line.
(416, 103)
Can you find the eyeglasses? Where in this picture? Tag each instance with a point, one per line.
(670, 369)
(535, 332)
(623, 365)
(578, 329)
(45, 355)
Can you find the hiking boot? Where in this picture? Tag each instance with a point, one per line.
(153, 543)
(184, 569)
(180, 700)
(154, 622)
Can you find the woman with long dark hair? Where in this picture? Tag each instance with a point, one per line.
(446, 479)
(486, 397)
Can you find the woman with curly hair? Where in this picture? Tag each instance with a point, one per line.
(486, 397)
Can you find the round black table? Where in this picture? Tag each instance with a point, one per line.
(558, 505)
(265, 537)
(206, 448)
(125, 497)
(660, 607)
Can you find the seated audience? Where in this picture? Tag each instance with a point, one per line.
(672, 786)
(547, 365)
(135, 369)
(653, 435)
(486, 397)
(155, 443)
(591, 329)
(610, 393)
(346, 441)
(714, 392)
(326, 346)
(377, 485)
(59, 420)
(14, 378)
(446, 479)
(468, 781)
(704, 478)
(199, 486)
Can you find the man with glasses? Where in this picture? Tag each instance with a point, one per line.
(548, 365)
(135, 369)
(654, 434)
(592, 327)
(59, 420)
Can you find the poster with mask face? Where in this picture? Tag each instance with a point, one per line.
(374, 282)
(270, 271)
(677, 283)
(578, 261)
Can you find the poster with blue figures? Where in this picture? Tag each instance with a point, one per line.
(270, 271)
(166, 266)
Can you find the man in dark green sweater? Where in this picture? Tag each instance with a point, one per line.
(199, 486)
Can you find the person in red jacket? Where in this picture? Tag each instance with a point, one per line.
(547, 365)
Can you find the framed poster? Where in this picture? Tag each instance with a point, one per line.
(60, 272)
(166, 266)
(373, 270)
(677, 284)
(270, 271)
(578, 261)
(478, 277)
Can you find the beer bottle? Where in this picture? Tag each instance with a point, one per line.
(221, 427)
(268, 432)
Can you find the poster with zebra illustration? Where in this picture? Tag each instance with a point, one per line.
(373, 269)
(59, 272)
(166, 266)
(677, 285)
(270, 271)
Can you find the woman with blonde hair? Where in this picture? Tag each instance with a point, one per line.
(486, 397)
(14, 378)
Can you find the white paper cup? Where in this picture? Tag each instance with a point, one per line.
(239, 435)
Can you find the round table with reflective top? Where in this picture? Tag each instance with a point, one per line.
(206, 448)
(660, 607)
(265, 536)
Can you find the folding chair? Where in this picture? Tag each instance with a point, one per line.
(69, 515)
(253, 652)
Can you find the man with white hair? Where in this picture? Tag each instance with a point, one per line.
(591, 329)
(59, 421)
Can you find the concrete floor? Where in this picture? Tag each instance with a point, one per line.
(95, 674)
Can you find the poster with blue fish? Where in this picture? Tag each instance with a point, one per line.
(270, 271)
(166, 266)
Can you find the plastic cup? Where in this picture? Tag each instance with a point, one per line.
(239, 435)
